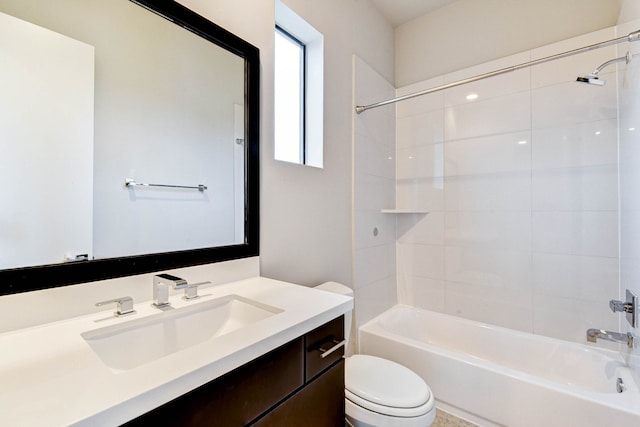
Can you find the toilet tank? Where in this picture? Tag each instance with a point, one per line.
(338, 288)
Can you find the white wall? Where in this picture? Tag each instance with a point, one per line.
(159, 118)
(306, 218)
(32, 308)
(171, 121)
(47, 170)
(306, 212)
(470, 32)
(522, 188)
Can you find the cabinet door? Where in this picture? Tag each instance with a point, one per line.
(237, 397)
(319, 404)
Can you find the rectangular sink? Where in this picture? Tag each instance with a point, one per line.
(131, 344)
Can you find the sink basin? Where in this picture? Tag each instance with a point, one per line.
(136, 342)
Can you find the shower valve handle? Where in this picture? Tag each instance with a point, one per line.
(630, 307)
(617, 306)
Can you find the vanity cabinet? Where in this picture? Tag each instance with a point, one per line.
(289, 386)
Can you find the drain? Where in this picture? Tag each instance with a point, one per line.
(619, 385)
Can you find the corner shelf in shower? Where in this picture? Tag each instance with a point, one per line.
(404, 211)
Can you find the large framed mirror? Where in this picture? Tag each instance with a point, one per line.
(130, 139)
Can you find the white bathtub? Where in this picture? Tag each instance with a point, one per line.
(495, 376)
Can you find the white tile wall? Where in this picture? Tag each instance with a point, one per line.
(493, 87)
(422, 104)
(503, 152)
(420, 161)
(374, 260)
(509, 307)
(417, 260)
(523, 227)
(580, 144)
(629, 87)
(500, 191)
(420, 129)
(585, 188)
(566, 70)
(488, 230)
(570, 103)
(583, 278)
(420, 193)
(576, 233)
(421, 229)
(421, 292)
(500, 269)
(509, 113)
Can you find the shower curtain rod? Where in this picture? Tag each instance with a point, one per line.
(631, 37)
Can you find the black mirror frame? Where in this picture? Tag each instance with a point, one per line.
(35, 278)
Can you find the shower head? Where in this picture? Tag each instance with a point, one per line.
(592, 80)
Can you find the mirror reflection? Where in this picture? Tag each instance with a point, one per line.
(101, 92)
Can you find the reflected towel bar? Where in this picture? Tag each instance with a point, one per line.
(132, 183)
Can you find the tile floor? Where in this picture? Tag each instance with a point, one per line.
(445, 419)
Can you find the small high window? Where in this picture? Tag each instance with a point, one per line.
(289, 106)
(298, 89)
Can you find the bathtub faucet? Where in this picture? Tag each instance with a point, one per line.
(595, 334)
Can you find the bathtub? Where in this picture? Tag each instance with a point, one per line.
(495, 376)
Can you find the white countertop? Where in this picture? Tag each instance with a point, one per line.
(49, 375)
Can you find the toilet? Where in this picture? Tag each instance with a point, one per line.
(379, 392)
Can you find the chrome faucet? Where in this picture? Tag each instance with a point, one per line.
(595, 334)
(161, 283)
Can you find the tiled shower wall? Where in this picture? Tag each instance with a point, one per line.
(629, 179)
(374, 188)
(521, 185)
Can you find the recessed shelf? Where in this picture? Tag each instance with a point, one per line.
(405, 211)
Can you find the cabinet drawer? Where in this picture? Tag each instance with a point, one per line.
(319, 404)
(318, 343)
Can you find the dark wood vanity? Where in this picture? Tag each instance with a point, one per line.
(289, 386)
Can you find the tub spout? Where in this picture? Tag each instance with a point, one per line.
(595, 334)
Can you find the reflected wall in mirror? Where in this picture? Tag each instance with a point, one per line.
(175, 105)
(47, 209)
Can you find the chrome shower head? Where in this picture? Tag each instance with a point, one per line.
(592, 80)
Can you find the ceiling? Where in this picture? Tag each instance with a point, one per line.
(400, 11)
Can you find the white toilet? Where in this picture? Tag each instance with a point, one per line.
(379, 392)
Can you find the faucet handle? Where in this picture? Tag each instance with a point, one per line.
(191, 291)
(630, 307)
(124, 305)
(617, 306)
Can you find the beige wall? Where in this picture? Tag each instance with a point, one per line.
(471, 32)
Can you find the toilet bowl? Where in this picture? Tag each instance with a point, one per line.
(380, 392)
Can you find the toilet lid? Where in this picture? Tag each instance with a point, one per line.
(384, 382)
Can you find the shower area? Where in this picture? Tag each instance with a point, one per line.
(511, 200)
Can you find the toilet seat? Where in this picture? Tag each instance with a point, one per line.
(392, 389)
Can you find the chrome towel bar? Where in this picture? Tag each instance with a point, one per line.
(132, 183)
